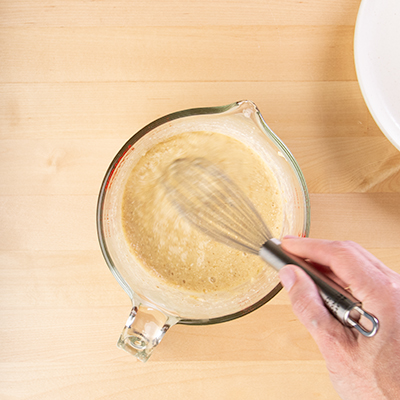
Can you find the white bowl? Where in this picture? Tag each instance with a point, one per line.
(377, 59)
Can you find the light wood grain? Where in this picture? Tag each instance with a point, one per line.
(114, 109)
(78, 79)
(348, 165)
(177, 13)
(268, 53)
(115, 377)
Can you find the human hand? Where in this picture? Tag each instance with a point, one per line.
(359, 367)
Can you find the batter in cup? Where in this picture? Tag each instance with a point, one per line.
(169, 247)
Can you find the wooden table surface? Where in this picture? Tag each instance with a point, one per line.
(77, 79)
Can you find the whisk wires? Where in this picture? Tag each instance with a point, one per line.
(212, 202)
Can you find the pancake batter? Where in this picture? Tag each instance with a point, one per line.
(166, 244)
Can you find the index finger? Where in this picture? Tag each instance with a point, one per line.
(345, 260)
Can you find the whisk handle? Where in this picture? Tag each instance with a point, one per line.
(342, 304)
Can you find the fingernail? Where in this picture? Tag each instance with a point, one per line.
(290, 237)
(288, 277)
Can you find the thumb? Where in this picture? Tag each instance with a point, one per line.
(307, 303)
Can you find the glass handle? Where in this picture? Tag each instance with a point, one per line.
(143, 331)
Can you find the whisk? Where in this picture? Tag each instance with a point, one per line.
(213, 203)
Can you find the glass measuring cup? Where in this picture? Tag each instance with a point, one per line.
(157, 306)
